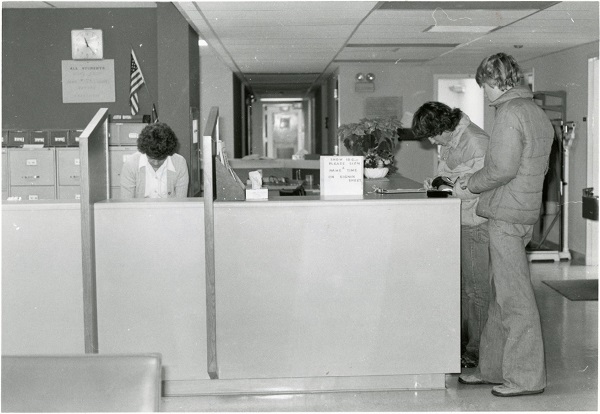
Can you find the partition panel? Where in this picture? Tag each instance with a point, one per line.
(151, 283)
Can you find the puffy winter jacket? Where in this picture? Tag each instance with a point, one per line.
(516, 161)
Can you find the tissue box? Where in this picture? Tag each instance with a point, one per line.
(257, 194)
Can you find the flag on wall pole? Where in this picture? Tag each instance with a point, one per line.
(136, 82)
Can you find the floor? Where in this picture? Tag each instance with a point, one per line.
(571, 343)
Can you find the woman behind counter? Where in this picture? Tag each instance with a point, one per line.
(155, 171)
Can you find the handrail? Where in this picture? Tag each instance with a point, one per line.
(93, 153)
(209, 138)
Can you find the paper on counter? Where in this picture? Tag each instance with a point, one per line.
(398, 190)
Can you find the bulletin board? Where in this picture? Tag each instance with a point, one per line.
(383, 107)
(88, 81)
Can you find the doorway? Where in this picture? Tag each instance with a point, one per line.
(285, 131)
(461, 91)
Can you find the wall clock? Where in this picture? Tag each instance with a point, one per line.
(86, 44)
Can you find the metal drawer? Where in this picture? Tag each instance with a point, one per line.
(69, 192)
(33, 192)
(31, 166)
(116, 158)
(69, 170)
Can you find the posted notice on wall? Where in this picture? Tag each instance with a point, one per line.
(342, 175)
(88, 81)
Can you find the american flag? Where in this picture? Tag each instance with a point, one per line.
(137, 80)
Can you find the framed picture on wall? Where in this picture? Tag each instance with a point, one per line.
(384, 107)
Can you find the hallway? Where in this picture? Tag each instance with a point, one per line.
(571, 342)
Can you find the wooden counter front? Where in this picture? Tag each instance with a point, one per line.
(312, 294)
(338, 288)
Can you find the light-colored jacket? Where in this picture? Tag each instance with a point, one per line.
(133, 178)
(464, 156)
(512, 178)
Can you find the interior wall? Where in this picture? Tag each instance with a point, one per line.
(568, 71)
(216, 89)
(178, 80)
(35, 41)
(414, 159)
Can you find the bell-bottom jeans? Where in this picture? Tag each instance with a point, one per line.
(512, 347)
(475, 292)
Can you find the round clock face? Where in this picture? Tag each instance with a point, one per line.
(86, 44)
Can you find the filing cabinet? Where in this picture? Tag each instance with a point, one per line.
(68, 173)
(116, 158)
(32, 173)
(125, 133)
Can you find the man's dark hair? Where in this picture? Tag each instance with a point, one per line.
(434, 118)
(157, 141)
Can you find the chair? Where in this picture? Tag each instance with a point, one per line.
(81, 383)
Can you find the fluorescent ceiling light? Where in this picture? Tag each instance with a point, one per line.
(202, 42)
(459, 29)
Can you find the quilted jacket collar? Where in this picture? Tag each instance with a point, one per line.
(513, 93)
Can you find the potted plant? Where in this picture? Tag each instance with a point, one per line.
(373, 138)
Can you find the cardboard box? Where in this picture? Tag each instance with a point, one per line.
(257, 194)
(59, 137)
(73, 137)
(17, 138)
(39, 137)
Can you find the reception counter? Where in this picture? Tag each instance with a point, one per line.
(312, 293)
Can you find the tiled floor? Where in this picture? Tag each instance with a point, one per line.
(571, 342)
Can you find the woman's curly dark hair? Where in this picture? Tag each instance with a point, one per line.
(157, 141)
(499, 70)
(434, 118)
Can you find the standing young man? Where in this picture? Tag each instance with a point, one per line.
(511, 352)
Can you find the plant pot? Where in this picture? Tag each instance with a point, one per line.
(376, 172)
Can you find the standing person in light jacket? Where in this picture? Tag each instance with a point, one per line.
(155, 171)
(511, 352)
(463, 147)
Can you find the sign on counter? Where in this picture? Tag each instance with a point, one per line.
(342, 175)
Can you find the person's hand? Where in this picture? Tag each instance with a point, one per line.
(461, 189)
(427, 184)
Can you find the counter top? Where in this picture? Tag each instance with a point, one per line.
(274, 163)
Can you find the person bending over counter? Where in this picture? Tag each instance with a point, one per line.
(464, 145)
(155, 171)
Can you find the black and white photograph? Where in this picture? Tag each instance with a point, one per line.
(300, 206)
